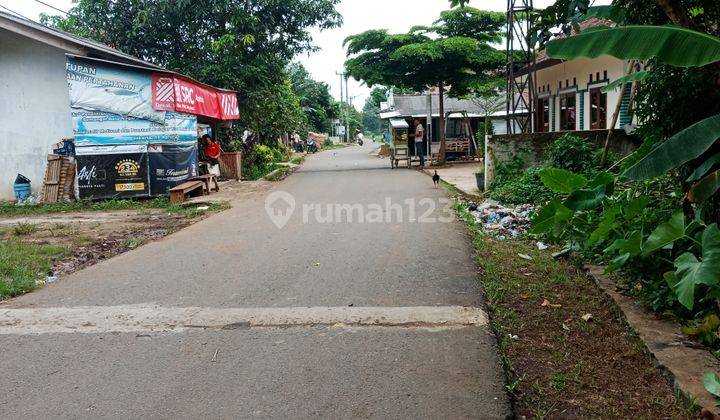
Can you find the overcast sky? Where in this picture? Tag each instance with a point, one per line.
(359, 16)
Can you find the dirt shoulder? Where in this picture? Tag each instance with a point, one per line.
(567, 350)
(39, 245)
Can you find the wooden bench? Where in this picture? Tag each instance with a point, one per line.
(177, 194)
(208, 180)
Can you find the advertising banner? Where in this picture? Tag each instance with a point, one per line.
(195, 99)
(99, 86)
(173, 93)
(171, 165)
(228, 106)
(112, 172)
(102, 128)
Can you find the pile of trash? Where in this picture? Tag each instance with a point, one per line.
(503, 222)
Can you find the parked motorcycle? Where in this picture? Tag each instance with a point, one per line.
(311, 146)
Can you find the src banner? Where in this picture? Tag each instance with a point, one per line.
(173, 93)
(112, 171)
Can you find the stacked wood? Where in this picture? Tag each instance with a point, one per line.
(59, 181)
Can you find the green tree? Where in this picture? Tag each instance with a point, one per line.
(454, 55)
(240, 45)
(314, 97)
(371, 111)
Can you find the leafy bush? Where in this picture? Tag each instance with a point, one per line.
(263, 155)
(570, 152)
(526, 188)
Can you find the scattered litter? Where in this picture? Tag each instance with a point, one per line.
(317, 264)
(587, 317)
(352, 304)
(547, 303)
(203, 208)
(561, 253)
(500, 220)
(525, 296)
(214, 358)
(541, 246)
(513, 337)
(50, 279)
(566, 327)
(525, 257)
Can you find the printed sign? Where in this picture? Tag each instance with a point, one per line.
(163, 92)
(99, 86)
(102, 128)
(171, 165)
(115, 174)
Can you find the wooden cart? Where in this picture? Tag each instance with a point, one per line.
(399, 145)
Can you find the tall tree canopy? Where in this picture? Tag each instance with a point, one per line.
(240, 45)
(314, 97)
(371, 111)
(454, 53)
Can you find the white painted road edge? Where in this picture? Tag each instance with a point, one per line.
(152, 318)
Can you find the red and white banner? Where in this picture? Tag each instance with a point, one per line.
(172, 93)
(163, 92)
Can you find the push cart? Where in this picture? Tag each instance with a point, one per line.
(399, 146)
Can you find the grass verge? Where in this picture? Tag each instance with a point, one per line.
(22, 263)
(8, 209)
(558, 364)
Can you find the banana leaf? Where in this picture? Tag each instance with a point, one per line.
(705, 188)
(669, 44)
(632, 77)
(609, 12)
(678, 149)
(703, 169)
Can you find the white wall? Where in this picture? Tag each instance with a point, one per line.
(580, 69)
(34, 108)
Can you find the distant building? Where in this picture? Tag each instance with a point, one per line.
(412, 106)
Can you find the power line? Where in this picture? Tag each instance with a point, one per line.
(53, 7)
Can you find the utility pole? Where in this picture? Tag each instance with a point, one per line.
(347, 110)
(344, 104)
(342, 96)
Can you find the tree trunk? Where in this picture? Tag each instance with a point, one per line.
(675, 11)
(441, 110)
(615, 116)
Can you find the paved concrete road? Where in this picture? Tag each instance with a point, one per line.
(201, 323)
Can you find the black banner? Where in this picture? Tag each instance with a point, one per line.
(171, 165)
(116, 175)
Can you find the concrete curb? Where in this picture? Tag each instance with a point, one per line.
(664, 340)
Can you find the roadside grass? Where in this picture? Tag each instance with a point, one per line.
(279, 174)
(23, 263)
(328, 145)
(297, 160)
(557, 364)
(9, 209)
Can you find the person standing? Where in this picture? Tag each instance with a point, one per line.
(419, 135)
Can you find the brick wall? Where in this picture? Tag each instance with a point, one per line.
(531, 147)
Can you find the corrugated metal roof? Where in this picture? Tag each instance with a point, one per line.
(39, 32)
(416, 105)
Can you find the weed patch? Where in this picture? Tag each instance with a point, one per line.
(21, 264)
(557, 364)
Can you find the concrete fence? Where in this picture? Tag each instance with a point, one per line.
(531, 147)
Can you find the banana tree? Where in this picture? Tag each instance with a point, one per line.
(676, 46)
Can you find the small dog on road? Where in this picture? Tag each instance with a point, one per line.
(436, 179)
